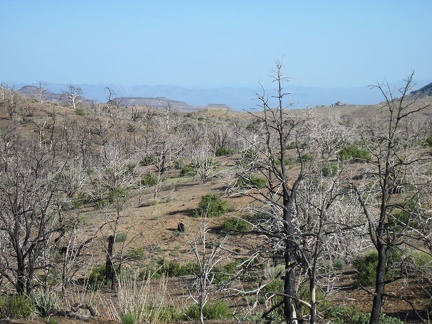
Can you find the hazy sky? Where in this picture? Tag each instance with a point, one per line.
(214, 43)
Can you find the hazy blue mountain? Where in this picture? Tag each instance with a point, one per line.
(235, 98)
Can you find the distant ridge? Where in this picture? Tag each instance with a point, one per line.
(423, 92)
(157, 102)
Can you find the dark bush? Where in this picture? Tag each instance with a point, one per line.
(235, 225)
(253, 181)
(354, 153)
(212, 311)
(222, 151)
(211, 206)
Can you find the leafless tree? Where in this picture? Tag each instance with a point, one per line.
(28, 214)
(390, 220)
(73, 95)
(267, 156)
(207, 259)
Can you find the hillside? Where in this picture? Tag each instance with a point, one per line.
(135, 175)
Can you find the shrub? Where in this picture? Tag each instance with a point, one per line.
(306, 158)
(148, 160)
(97, 277)
(212, 311)
(149, 179)
(136, 253)
(354, 153)
(187, 171)
(329, 170)
(366, 267)
(222, 151)
(121, 237)
(46, 302)
(235, 225)
(175, 269)
(211, 206)
(16, 306)
(254, 181)
(79, 112)
(429, 141)
(351, 315)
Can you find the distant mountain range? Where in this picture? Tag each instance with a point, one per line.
(245, 98)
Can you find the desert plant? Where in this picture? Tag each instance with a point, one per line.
(235, 225)
(329, 170)
(46, 302)
(253, 181)
(187, 170)
(355, 153)
(222, 151)
(212, 311)
(141, 301)
(149, 180)
(211, 206)
(16, 306)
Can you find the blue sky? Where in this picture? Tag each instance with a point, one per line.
(214, 43)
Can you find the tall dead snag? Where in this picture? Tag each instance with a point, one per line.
(396, 162)
(267, 157)
(28, 215)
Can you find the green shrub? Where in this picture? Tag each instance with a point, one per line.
(148, 160)
(329, 170)
(16, 306)
(235, 225)
(351, 315)
(429, 141)
(253, 181)
(305, 294)
(187, 171)
(175, 269)
(136, 253)
(225, 273)
(366, 267)
(149, 180)
(222, 151)
(211, 206)
(212, 311)
(121, 237)
(306, 158)
(354, 153)
(128, 318)
(79, 112)
(46, 302)
(97, 277)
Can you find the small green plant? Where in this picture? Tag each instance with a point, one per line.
(149, 180)
(235, 225)
(16, 306)
(222, 151)
(428, 141)
(97, 277)
(187, 171)
(46, 302)
(128, 319)
(329, 170)
(121, 237)
(354, 153)
(148, 160)
(211, 206)
(366, 265)
(351, 315)
(136, 253)
(253, 181)
(175, 269)
(212, 311)
(306, 158)
(79, 112)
